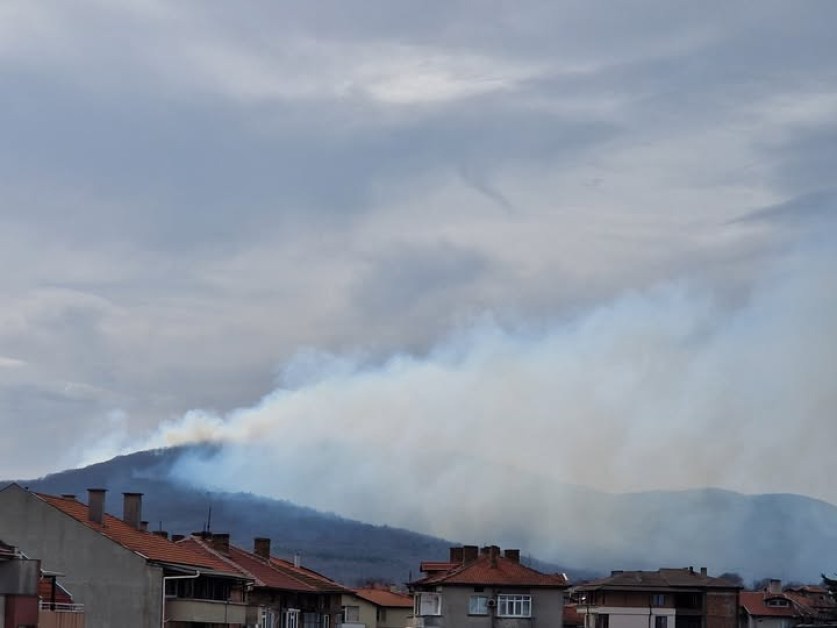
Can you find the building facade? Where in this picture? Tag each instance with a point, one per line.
(666, 598)
(486, 589)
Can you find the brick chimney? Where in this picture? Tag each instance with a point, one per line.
(457, 554)
(470, 552)
(96, 504)
(144, 526)
(261, 547)
(220, 543)
(132, 509)
(703, 571)
(512, 554)
(493, 554)
(774, 586)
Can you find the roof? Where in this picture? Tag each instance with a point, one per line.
(255, 567)
(150, 546)
(755, 603)
(310, 577)
(662, 579)
(273, 573)
(493, 570)
(62, 596)
(385, 597)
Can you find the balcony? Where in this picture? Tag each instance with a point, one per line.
(206, 611)
(61, 615)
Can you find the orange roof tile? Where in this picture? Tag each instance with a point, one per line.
(755, 603)
(260, 570)
(385, 597)
(318, 581)
(497, 571)
(150, 546)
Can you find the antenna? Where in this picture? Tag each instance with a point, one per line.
(209, 520)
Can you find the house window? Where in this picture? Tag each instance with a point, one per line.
(478, 605)
(310, 620)
(428, 604)
(661, 621)
(658, 599)
(351, 614)
(514, 605)
(602, 621)
(381, 614)
(326, 621)
(290, 618)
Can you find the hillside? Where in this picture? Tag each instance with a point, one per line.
(787, 536)
(346, 550)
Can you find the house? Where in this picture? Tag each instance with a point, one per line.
(666, 598)
(488, 588)
(775, 607)
(376, 607)
(124, 575)
(769, 608)
(283, 594)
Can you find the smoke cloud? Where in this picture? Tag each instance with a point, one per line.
(488, 433)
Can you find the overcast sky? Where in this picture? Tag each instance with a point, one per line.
(583, 232)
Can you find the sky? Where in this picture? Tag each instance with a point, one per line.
(384, 247)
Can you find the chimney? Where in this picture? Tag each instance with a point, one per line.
(297, 560)
(457, 555)
(96, 504)
(261, 547)
(177, 537)
(513, 555)
(132, 509)
(470, 552)
(703, 571)
(494, 552)
(161, 533)
(220, 543)
(774, 586)
(144, 526)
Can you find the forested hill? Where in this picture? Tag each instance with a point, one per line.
(346, 550)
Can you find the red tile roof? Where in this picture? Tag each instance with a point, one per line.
(485, 570)
(320, 582)
(756, 604)
(273, 573)
(385, 597)
(149, 546)
(45, 592)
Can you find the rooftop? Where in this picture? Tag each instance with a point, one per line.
(662, 579)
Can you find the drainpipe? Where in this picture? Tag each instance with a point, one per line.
(163, 595)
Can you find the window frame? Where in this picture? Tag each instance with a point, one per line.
(480, 610)
(514, 605)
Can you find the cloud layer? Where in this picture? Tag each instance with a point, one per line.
(511, 239)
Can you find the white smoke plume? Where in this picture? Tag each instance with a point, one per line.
(669, 388)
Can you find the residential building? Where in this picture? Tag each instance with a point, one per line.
(376, 607)
(124, 575)
(769, 608)
(283, 594)
(486, 588)
(666, 598)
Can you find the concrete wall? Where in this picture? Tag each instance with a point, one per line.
(205, 611)
(368, 611)
(20, 577)
(395, 618)
(547, 610)
(115, 585)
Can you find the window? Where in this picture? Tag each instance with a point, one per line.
(514, 605)
(310, 620)
(326, 621)
(381, 614)
(478, 605)
(428, 604)
(351, 614)
(658, 599)
(602, 621)
(661, 621)
(290, 619)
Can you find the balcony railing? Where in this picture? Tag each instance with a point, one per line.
(61, 607)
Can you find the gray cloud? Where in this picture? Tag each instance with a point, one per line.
(193, 196)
